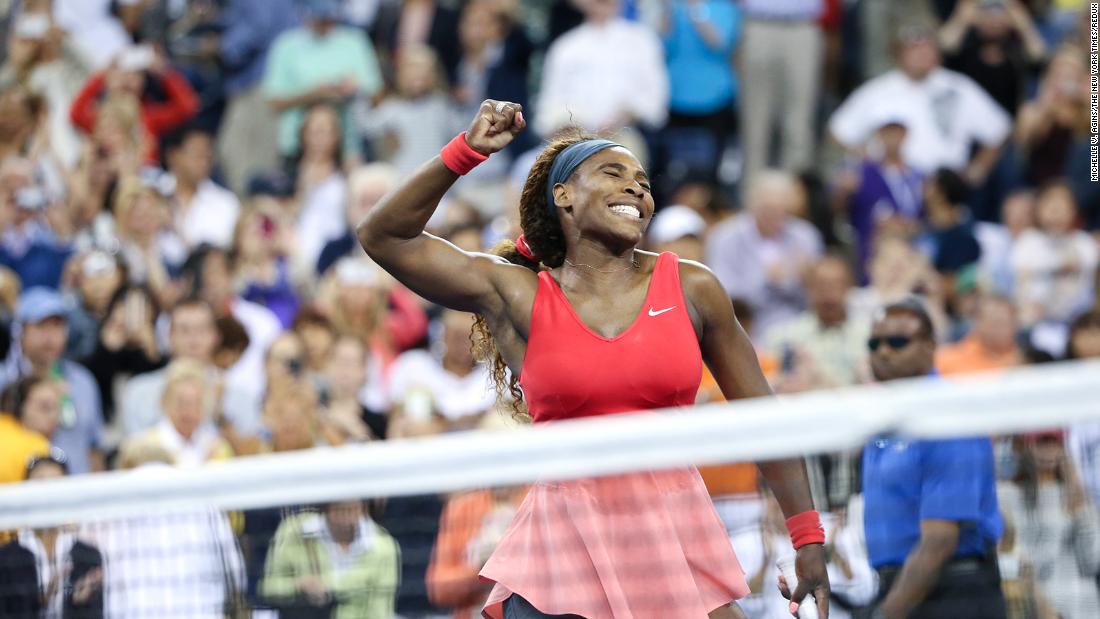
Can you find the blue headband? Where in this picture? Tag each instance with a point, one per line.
(567, 162)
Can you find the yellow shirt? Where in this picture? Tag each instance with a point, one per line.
(17, 446)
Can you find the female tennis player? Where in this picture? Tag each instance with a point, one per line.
(592, 326)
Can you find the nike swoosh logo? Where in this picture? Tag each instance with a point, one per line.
(659, 312)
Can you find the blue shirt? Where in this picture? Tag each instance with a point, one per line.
(701, 78)
(906, 482)
(251, 26)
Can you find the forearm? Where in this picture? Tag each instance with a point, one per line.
(788, 482)
(917, 578)
(983, 163)
(303, 99)
(952, 33)
(403, 214)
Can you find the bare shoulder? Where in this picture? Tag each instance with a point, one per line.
(700, 284)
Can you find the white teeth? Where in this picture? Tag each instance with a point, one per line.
(625, 209)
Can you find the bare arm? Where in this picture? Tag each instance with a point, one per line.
(938, 540)
(953, 32)
(393, 233)
(731, 357)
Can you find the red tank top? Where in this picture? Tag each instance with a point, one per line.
(570, 371)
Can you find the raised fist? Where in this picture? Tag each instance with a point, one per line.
(497, 123)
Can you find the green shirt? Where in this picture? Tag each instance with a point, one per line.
(300, 61)
(363, 578)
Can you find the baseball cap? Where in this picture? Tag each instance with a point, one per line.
(675, 222)
(39, 303)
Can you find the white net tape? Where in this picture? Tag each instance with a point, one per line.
(1055, 395)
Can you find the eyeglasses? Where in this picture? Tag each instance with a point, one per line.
(897, 342)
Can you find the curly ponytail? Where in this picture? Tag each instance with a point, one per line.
(546, 239)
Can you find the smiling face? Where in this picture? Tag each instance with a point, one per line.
(608, 197)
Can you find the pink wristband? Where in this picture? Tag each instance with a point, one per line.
(805, 528)
(459, 156)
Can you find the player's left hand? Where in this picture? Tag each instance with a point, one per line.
(813, 578)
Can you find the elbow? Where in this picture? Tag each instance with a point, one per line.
(371, 239)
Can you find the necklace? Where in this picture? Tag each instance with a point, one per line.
(633, 264)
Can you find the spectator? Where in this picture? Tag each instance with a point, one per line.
(247, 140)
(186, 432)
(128, 79)
(210, 271)
(471, 525)
(192, 335)
(204, 211)
(591, 75)
(187, 564)
(991, 343)
(320, 62)
(883, 192)
(127, 343)
(19, 595)
(1054, 264)
(362, 301)
(949, 241)
(931, 517)
(418, 120)
(1049, 125)
(44, 57)
(409, 23)
(345, 379)
(824, 344)
(41, 330)
(897, 270)
(366, 186)
(946, 111)
(264, 244)
(32, 412)
(232, 342)
(998, 241)
(338, 560)
(450, 386)
(680, 230)
(285, 364)
(147, 242)
(782, 55)
(997, 45)
(70, 571)
(21, 131)
(29, 245)
(760, 255)
(699, 38)
(94, 278)
(495, 56)
(321, 186)
(291, 419)
(1083, 442)
(1058, 531)
(318, 335)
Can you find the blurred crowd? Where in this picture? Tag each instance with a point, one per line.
(180, 282)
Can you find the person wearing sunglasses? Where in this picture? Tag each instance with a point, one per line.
(931, 516)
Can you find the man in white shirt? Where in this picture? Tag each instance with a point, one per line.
(760, 255)
(947, 112)
(205, 212)
(604, 75)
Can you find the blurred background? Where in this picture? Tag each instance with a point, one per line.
(180, 282)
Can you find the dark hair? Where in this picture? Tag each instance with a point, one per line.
(232, 333)
(1027, 473)
(1085, 322)
(953, 187)
(311, 316)
(547, 241)
(196, 261)
(176, 139)
(16, 394)
(123, 291)
(54, 456)
(338, 156)
(915, 307)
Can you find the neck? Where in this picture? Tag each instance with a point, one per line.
(185, 190)
(458, 367)
(590, 265)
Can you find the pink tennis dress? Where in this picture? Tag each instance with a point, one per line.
(638, 546)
